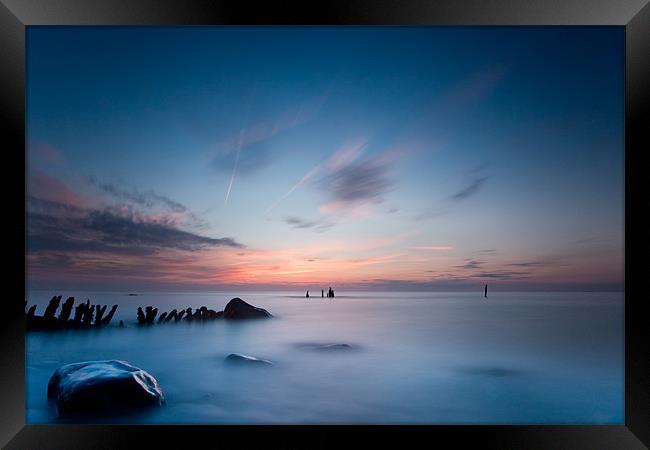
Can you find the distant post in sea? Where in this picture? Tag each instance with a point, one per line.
(485, 291)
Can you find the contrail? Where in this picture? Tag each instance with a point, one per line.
(234, 169)
(338, 159)
(242, 132)
(306, 177)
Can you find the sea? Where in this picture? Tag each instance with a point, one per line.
(411, 358)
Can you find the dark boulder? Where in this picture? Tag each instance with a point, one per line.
(239, 309)
(238, 358)
(102, 387)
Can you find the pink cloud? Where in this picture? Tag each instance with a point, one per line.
(41, 185)
(346, 155)
(43, 152)
(434, 247)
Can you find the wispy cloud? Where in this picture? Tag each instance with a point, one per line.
(339, 159)
(469, 190)
(244, 153)
(114, 233)
(447, 204)
(248, 157)
(246, 142)
(430, 213)
(129, 200)
(354, 184)
(346, 155)
(320, 225)
(502, 275)
(42, 185)
(434, 247)
(350, 183)
(487, 251)
(528, 264)
(471, 264)
(147, 198)
(42, 152)
(53, 226)
(129, 231)
(473, 89)
(357, 184)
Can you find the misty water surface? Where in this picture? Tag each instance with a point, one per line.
(413, 358)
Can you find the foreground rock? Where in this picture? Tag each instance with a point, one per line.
(102, 388)
(239, 309)
(238, 358)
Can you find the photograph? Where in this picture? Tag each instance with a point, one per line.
(325, 225)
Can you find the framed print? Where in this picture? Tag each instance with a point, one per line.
(294, 223)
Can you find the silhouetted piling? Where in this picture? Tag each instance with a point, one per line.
(171, 315)
(201, 314)
(66, 309)
(52, 307)
(106, 320)
(99, 314)
(88, 314)
(140, 316)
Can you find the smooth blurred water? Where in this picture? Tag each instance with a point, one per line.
(416, 358)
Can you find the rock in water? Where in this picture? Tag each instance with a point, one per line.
(238, 358)
(317, 346)
(102, 387)
(239, 309)
(333, 347)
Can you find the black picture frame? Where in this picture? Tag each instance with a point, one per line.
(15, 15)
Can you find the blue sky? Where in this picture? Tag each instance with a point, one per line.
(372, 157)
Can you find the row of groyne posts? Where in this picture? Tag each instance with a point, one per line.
(149, 314)
(86, 315)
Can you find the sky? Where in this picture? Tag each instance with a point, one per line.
(364, 158)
